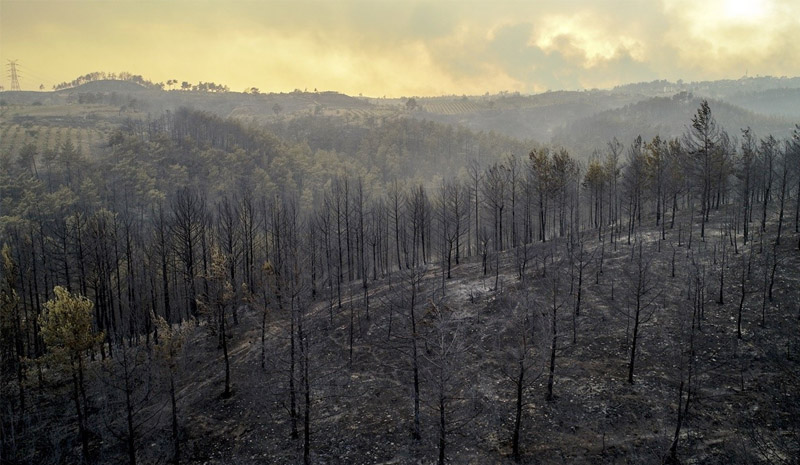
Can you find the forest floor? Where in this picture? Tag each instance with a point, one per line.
(745, 393)
(362, 410)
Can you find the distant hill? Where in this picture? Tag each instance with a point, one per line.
(580, 121)
(106, 85)
(721, 89)
(780, 102)
(665, 116)
(522, 116)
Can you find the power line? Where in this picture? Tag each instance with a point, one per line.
(12, 65)
(27, 73)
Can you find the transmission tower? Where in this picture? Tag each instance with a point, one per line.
(12, 73)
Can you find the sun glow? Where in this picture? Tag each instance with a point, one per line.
(401, 47)
(744, 10)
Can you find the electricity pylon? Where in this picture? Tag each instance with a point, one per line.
(12, 72)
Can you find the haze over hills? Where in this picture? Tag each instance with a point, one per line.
(579, 121)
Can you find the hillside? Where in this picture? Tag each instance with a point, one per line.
(480, 329)
(48, 126)
(721, 89)
(783, 102)
(535, 117)
(105, 86)
(768, 105)
(667, 117)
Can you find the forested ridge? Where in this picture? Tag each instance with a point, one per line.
(664, 116)
(324, 290)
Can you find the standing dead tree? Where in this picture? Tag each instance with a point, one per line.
(170, 348)
(216, 302)
(701, 141)
(557, 299)
(405, 294)
(186, 229)
(129, 385)
(446, 347)
(524, 348)
(579, 260)
(642, 292)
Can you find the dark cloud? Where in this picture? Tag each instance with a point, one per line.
(399, 47)
(514, 51)
(431, 20)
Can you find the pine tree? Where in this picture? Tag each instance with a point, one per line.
(67, 331)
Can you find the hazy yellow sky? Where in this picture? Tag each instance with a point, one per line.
(401, 48)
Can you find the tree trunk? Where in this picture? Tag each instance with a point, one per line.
(442, 427)
(416, 435)
(552, 354)
(176, 457)
(307, 395)
(76, 397)
(741, 304)
(227, 393)
(634, 340)
(518, 416)
(292, 393)
(131, 439)
(673, 450)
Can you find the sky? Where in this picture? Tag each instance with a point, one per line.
(399, 48)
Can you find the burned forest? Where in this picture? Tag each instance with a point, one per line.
(345, 282)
